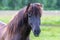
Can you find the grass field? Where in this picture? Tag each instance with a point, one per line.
(47, 32)
(51, 20)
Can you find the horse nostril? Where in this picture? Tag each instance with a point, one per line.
(37, 31)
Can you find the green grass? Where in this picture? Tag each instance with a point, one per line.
(47, 32)
(5, 19)
(51, 20)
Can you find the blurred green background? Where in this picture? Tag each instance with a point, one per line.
(50, 19)
(17, 4)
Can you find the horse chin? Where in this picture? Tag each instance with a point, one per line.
(36, 35)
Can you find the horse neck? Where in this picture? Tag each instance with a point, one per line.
(19, 26)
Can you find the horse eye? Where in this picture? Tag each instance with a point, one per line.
(39, 23)
(29, 15)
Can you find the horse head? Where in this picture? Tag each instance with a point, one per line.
(34, 17)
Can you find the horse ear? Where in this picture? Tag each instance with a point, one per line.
(28, 6)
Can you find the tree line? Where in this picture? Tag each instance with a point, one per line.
(17, 4)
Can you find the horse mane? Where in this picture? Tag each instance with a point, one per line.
(16, 23)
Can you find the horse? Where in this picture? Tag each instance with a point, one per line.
(2, 24)
(20, 26)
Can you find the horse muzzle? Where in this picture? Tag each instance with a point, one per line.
(37, 32)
